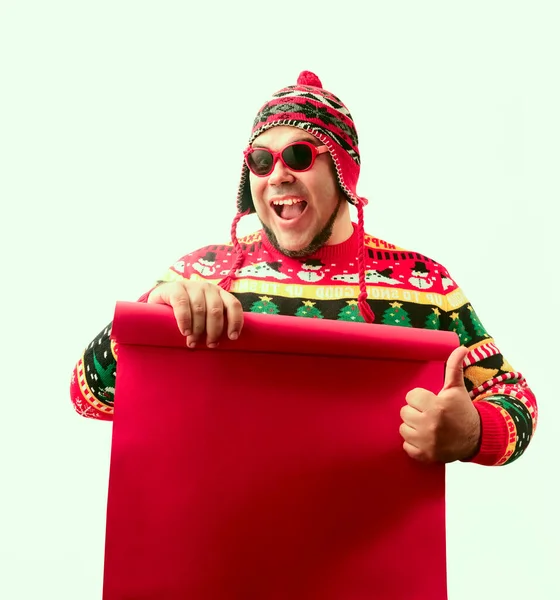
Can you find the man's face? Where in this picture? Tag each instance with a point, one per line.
(314, 194)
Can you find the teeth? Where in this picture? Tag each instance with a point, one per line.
(288, 201)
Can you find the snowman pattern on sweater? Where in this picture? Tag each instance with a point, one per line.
(420, 277)
(206, 265)
(261, 270)
(311, 270)
(372, 276)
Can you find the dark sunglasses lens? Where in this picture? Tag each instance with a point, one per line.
(260, 161)
(298, 156)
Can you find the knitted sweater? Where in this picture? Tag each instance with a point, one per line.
(405, 289)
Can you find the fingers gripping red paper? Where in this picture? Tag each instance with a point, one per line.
(271, 467)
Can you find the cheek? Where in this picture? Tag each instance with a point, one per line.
(324, 187)
(257, 185)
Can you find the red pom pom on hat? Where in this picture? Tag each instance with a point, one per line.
(309, 78)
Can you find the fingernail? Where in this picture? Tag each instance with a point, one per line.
(187, 332)
(192, 344)
(213, 345)
(233, 335)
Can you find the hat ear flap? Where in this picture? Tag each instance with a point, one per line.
(247, 199)
(244, 198)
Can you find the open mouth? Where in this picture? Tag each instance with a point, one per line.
(290, 208)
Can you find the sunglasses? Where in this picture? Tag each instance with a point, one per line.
(297, 156)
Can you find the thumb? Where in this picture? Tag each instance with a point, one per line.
(454, 368)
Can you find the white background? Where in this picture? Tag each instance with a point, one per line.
(121, 130)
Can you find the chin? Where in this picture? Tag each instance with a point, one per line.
(292, 243)
(297, 244)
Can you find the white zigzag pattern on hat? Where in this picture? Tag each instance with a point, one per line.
(311, 126)
(339, 107)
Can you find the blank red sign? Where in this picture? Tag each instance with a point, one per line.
(272, 467)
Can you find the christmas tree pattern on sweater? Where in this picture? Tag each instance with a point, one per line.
(309, 310)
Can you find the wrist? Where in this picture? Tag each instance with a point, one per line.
(474, 437)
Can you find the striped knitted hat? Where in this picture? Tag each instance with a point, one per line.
(308, 106)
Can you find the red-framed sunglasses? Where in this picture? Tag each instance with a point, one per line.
(297, 156)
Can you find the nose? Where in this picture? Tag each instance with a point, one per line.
(280, 174)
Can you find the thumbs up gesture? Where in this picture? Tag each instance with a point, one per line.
(443, 427)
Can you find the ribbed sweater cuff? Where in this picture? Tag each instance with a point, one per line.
(494, 434)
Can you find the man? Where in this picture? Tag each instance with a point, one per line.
(300, 173)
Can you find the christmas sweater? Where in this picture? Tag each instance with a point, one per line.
(404, 289)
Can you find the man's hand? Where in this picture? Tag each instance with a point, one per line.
(199, 307)
(445, 427)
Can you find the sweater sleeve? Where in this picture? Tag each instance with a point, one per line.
(501, 394)
(92, 385)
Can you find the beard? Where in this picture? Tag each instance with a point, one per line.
(318, 241)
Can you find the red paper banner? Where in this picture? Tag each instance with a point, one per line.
(272, 467)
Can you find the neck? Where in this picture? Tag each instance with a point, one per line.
(342, 227)
(347, 247)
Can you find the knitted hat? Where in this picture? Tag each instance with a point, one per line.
(313, 109)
